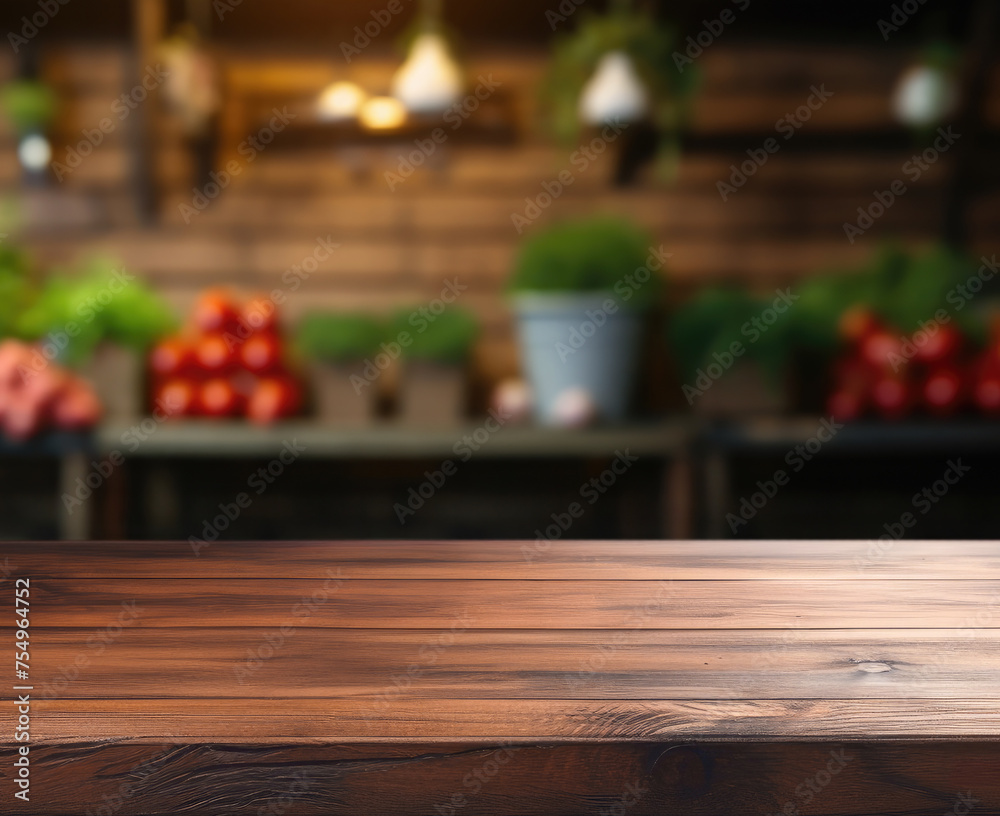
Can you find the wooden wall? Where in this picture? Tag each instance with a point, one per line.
(397, 248)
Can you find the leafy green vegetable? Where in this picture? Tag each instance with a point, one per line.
(591, 255)
(446, 338)
(716, 318)
(96, 305)
(330, 336)
(16, 290)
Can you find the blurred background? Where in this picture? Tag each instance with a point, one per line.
(534, 270)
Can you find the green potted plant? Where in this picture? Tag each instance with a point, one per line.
(102, 321)
(620, 64)
(734, 351)
(580, 291)
(337, 347)
(30, 106)
(432, 385)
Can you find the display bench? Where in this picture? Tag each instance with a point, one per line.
(714, 678)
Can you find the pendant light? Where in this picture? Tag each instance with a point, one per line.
(430, 80)
(615, 91)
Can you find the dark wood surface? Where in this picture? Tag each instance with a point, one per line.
(507, 678)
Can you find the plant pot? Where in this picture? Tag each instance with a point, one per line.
(742, 390)
(337, 400)
(432, 393)
(116, 374)
(563, 347)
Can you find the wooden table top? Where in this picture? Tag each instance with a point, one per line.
(507, 642)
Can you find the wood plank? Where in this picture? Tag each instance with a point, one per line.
(504, 560)
(331, 721)
(461, 663)
(526, 604)
(715, 779)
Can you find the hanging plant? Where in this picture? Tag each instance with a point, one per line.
(649, 44)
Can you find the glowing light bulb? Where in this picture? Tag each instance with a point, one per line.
(429, 81)
(615, 91)
(34, 152)
(924, 96)
(382, 113)
(341, 100)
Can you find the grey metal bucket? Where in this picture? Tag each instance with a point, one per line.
(571, 340)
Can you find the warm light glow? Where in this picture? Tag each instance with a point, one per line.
(35, 152)
(429, 81)
(382, 113)
(341, 100)
(925, 96)
(615, 91)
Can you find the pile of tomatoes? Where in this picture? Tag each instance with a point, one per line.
(932, 371)
(228, 362)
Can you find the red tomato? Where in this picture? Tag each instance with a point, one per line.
(944, 344)
(892, 397)
(261, 354)
(943, 391)
(176, 398)
(172, 357)
(272, 399)
(218, 398)
(259, 314)
(986, 393)
(882, 349)
(215, 312)
(215, 355)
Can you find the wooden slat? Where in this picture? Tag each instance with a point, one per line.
(464, 663)
(715, 779)
(314, 722)
(506, 560)
(415, 604)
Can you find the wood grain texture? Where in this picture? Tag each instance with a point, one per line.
(659, 778)
(421, 678)
(725, 560)
(523, 604)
